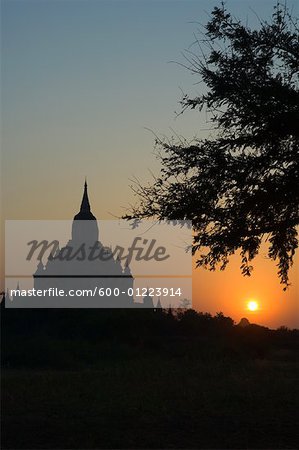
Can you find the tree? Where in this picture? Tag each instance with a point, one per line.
(185, 303)
(240, 186)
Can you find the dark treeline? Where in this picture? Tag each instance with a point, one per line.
(61, 338)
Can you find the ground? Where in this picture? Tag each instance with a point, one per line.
(149, 401)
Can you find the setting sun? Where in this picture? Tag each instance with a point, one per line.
(252, 305)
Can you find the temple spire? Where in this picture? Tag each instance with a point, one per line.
(85, 232)
(85, 206)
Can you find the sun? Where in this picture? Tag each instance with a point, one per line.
(252, 305)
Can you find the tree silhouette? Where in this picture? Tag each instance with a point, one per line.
(185, 303)
(240, 186)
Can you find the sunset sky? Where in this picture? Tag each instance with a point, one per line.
(83, 82)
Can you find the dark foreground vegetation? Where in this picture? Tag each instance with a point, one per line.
(146, 379)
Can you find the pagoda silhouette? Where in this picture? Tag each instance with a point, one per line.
(106, 273)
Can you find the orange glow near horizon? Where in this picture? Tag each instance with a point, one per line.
(230, 292)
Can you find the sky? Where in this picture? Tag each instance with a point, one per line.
(85, 85)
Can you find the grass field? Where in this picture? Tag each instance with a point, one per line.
(153, 402)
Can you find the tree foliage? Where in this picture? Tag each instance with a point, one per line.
(240, 186)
